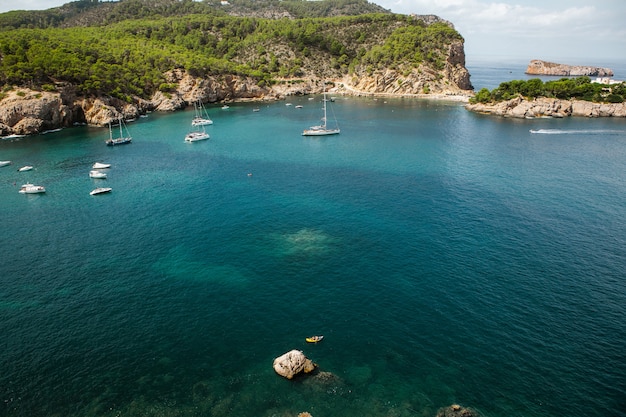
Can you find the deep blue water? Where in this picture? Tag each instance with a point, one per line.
(448, 257)
(489, 71)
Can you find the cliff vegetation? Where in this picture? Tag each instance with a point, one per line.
(131, 57)
(164, 54)
(581, 88)
(563, 98)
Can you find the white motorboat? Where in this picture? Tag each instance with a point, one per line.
(25, 168)
(97, 174)
(101, 190)
(4, 163)
(196, 136)
(201, 117)
(32, 189)
(100, 165)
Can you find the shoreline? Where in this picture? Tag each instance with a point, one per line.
(542, 107)
(99, 111)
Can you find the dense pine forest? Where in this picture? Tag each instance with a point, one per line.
(124, 48)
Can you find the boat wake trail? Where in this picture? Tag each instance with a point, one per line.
(576, 132)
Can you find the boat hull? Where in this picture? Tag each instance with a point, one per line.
(32, 189)
(117, 142)
(201, 122)
(197, 136)
(97, 174)
(320, 132)
(101, 190)
(99, 165)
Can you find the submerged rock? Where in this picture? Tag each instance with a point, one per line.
(292, 363)
(456, 410)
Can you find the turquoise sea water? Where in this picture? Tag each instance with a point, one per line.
(447, 257)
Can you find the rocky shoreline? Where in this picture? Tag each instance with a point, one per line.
(26, 112)
(549, 107)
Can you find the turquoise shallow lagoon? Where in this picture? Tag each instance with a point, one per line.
(447, 257)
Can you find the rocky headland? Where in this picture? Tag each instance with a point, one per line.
(549, 107)
(539, 67)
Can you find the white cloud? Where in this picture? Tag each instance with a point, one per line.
(531, 28)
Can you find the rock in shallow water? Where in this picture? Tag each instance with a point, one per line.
(292, 363)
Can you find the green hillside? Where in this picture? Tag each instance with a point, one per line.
(124, 48)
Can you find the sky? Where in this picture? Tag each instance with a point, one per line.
(574, 32)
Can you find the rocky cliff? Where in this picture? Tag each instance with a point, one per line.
(538, 67)
(24, 112)
(454, 79)
(549, 107)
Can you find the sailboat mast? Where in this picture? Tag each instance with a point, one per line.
(324, 120)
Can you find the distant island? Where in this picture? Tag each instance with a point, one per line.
(539, 67)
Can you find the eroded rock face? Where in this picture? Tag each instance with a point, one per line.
(24, 111)
(454, 79)
(292, 363)
(549, 107)
(539, 67)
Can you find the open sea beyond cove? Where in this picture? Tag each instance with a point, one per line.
(446, 256)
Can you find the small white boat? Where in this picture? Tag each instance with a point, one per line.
(97, 174)
(4, 163)
(25, 168)
(101, 190)
(196, 136)
(99, 165)
(225, 107)
(32, 189)
(299, 106)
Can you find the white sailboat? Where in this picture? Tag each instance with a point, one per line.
(323, 129)
(121, 140)
(199, 133)
(196, 136)
(201, 117)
